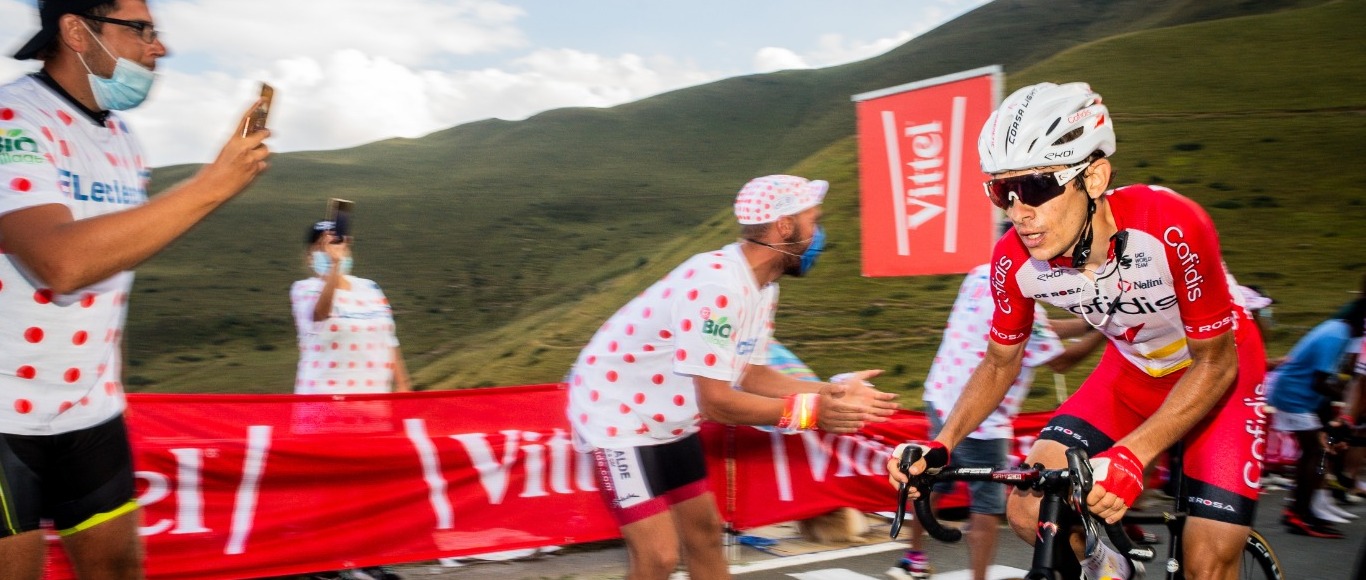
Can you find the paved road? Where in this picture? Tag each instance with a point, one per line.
(1301, 557)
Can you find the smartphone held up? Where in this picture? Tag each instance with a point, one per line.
(257, 120)
(339, 213)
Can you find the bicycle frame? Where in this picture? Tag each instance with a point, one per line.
(1062, 507)
(1060, 487)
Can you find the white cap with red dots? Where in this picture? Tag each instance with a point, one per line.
(765, 199)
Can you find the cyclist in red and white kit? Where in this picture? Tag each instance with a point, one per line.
(1141, 264)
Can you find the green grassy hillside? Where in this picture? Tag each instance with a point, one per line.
(501, 244)
(1291, 221)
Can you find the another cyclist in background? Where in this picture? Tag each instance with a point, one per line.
(1141, 264)
(963, 345)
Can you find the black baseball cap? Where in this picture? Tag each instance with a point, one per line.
(49, 12)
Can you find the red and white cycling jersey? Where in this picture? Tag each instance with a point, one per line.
(1162, 282)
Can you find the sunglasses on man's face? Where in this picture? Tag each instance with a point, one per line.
(1034, 189)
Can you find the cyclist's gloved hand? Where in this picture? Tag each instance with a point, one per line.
(1119, 472)
(934, 454)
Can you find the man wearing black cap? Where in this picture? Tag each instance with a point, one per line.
(74, 221)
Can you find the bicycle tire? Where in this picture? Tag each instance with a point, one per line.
(1259, 560)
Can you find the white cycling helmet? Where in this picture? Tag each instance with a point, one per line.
(1046, 124)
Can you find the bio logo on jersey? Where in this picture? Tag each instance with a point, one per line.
(715, 331)
(15, 147)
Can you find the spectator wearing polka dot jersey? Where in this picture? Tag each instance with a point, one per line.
(693, 346)
(75, 219)
(347, 343)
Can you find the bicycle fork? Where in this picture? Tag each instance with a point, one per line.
(1053, 545)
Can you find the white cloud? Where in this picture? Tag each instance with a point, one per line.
(409, 32)
(773, 58)
(348, 72)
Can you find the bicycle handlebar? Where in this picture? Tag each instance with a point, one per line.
(1077, 477)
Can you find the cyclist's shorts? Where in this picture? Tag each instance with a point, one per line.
(1224, 452)
(77, 479)
(639, 482)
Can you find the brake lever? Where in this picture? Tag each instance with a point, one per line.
(1083, 479)
(908, 458)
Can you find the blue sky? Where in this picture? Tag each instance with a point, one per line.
(349, 72)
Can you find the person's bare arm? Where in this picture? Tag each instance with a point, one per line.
(322, 309)
(1070, 327)
(985, 390)
(1075, 351)
(402, 382)
(764, 381)
(842, 408)
(66, 254)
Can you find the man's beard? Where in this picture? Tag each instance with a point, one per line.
(792, 262)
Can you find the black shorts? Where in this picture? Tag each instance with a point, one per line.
(76, 479)
(639, 482)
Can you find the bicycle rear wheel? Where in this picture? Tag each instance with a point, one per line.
(1259, 560)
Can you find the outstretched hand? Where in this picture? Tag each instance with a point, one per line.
(846, 406)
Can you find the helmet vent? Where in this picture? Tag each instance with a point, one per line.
(1069, 136)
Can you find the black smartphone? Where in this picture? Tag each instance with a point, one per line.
(339, 213)
(257, 121)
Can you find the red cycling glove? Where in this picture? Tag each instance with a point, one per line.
(1119, 472)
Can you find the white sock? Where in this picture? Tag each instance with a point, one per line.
(1107, 564)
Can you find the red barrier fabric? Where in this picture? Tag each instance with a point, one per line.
(238, 486)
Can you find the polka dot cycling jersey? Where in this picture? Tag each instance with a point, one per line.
(60, 359)
(352, 350)
(633, 384)
(1163, 281)
(965, 343)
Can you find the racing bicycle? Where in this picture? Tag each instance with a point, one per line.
(1064, 507)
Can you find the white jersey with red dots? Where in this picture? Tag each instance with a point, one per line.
(60, 358)
(1167, 284)
(633, 384)
(352, 350)
(964, 346)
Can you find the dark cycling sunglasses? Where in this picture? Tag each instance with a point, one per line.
(1034, 189)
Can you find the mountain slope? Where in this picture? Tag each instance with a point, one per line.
(1189, 119)
(472, 228)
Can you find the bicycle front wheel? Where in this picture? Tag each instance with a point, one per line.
(1259, 560)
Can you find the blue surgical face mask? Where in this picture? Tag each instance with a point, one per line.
(126, 88)
(322, 264)
(812, 252)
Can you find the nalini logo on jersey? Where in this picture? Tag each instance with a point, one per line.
(1125, 285)
(15, 147)
(71, 185)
